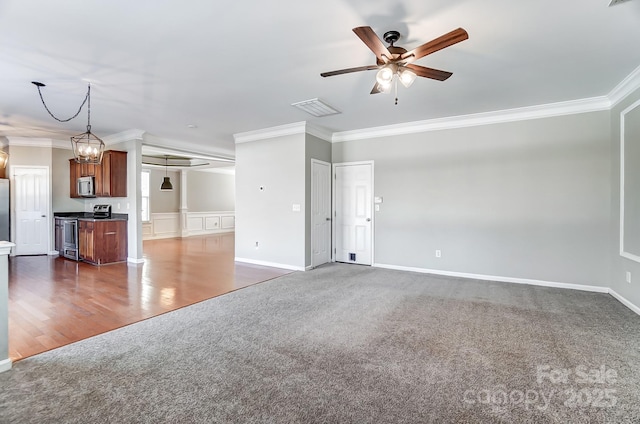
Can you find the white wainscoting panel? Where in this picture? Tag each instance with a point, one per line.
(166, 225)
(228, 221)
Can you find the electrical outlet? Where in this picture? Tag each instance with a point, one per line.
(628, 277)
(438, 254)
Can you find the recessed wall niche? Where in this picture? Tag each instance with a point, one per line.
(630, 182)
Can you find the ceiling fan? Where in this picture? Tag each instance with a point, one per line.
(394, 60)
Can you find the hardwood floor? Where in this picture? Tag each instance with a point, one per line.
(55, 301)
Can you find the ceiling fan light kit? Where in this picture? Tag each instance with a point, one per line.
(396, 63)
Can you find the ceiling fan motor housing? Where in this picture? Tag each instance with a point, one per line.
(391, 37)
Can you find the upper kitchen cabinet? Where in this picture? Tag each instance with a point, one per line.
(110, 177)
(113, 179)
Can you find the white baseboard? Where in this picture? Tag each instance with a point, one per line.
(53, 253)
(624, 301)
(135, 260)
(543, 283)
(271, 264)
(5, 365)
(582, 287)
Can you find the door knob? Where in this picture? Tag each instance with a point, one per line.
(368, 219)
(328, 219)
(43, 216)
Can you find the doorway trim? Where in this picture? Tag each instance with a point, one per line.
(333, 206)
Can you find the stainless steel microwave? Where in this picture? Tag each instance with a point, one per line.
(86, 187)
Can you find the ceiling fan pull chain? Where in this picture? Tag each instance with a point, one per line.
(396, 80)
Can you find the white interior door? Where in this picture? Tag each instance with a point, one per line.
(320, 212)
(353, 213)
(31, 188)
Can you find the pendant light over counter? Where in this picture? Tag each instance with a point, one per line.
(166, 182)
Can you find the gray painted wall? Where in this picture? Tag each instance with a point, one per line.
(61, 200)
(620, 265)
(210, 191)
(527, 199)
(266, 216)
(164, 201)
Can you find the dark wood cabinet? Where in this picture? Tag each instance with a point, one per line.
(74, 174)
(102, 242)
(112, 181)
(86, 241)
(110, 176)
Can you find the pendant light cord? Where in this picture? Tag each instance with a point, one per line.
(86, 98)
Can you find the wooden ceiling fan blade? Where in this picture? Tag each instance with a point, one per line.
(349, 70)
(423, 71)
(372, 41)
(449, 39)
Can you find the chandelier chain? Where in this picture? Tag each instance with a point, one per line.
(86, 98)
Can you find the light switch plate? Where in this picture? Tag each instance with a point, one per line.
(295, 207)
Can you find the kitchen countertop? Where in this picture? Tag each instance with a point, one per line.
(88, 216)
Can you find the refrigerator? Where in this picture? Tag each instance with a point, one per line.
(5, 223)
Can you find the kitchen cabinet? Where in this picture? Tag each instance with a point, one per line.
(74, 174)
(110, 177)
(102, 241)
(112, 181)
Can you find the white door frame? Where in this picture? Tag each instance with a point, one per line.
(333, 206)
(14, 203)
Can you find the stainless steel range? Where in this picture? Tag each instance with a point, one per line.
(102, 211)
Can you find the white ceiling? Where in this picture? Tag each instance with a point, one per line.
(231, 67)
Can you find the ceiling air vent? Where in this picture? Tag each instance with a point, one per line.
(316, 107)
(614, 2)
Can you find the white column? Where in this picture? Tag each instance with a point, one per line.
(5, 249)
(184, 230)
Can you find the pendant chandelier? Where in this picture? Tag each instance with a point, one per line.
(87, 147)
(166, 182)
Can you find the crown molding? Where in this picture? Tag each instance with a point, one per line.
(121, 137)
(626, 87)
(272, 132)
(31, 142)
(167, 146)
(486, 118)
(301, 127)
(320, 132)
